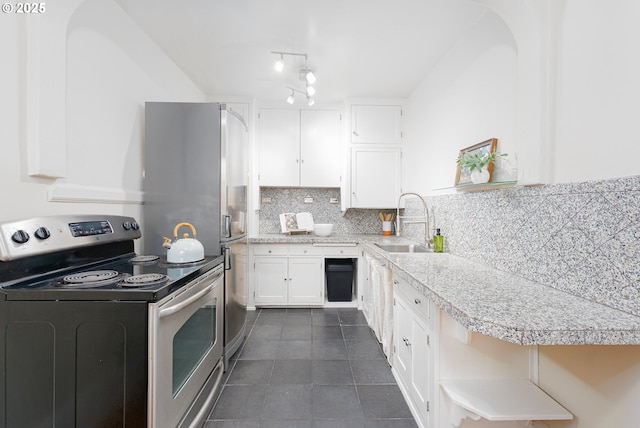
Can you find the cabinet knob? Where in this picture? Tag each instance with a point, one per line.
(418, 301)
(356, 134)
(406, 341)
(269, 251)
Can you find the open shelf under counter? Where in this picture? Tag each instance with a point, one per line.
(501, 400)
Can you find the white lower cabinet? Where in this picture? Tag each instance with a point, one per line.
(271, 276)
(412, 358)
(305, 284)
(288, 280)
(293, 274)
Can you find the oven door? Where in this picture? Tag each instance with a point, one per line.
(185, 348)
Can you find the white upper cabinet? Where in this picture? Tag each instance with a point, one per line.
(299, 148)
(376, 156)
(375, 177)
(320, 152)
(376, 124)
(279, 147)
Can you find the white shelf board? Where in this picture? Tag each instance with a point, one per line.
(504, 399)
(470, 187)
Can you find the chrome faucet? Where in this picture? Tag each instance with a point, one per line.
(421, 220)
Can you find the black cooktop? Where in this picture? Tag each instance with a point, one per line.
(129, 277)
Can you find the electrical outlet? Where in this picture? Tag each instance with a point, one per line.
(266, 200)
(333, 200)
(308, 200)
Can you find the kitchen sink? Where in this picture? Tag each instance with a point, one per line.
(404, 248)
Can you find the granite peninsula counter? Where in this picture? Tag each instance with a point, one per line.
(492, 302)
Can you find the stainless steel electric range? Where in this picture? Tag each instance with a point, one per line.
(94, 335)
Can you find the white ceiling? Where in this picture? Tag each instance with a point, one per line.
(357, 48)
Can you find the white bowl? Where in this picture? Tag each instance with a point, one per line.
(323, 229)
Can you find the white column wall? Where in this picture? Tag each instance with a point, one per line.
(598, 90)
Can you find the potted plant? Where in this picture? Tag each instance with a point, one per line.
(477, 163)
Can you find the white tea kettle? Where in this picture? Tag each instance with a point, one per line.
(184, 250)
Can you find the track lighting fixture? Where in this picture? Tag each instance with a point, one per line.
(304, 74)
(292, 97)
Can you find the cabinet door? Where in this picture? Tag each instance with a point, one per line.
(279, 147)
(271, 278)
(376, 124)
(412, 359)
(375, 177)
(306, 280)
(402, 339)
(420, 367)
(320, 148)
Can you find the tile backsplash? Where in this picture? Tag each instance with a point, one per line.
(582, 238)
(291, 200)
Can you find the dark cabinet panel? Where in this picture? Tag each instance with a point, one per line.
(70, 365)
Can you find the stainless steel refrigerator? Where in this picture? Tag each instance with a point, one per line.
(195, 171)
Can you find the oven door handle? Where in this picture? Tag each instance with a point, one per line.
(165, 312)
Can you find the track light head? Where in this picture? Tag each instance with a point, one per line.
(310, 101)
(311, 90)
(291, 98)
(279, 64)
(311, 78)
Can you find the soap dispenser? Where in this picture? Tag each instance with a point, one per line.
(438, 242)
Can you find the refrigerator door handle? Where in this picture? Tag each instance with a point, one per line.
(226, 225)
(227, 258)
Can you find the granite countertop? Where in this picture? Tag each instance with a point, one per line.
(281, 238)
(492, 302)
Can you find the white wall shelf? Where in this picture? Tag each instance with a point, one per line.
(479, 187)
(501, 400)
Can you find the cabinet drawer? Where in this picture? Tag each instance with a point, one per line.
(339, 251)
(271, 250)
(304, 250)
(420, 304)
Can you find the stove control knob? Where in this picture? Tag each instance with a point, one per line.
(126, 225)
(135, 226)
(42, 233)
(20, 237)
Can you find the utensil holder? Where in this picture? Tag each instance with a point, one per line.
(386, 228)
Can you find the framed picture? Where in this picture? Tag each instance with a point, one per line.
(463, 175)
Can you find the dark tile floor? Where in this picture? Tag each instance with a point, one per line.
(310, 368)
